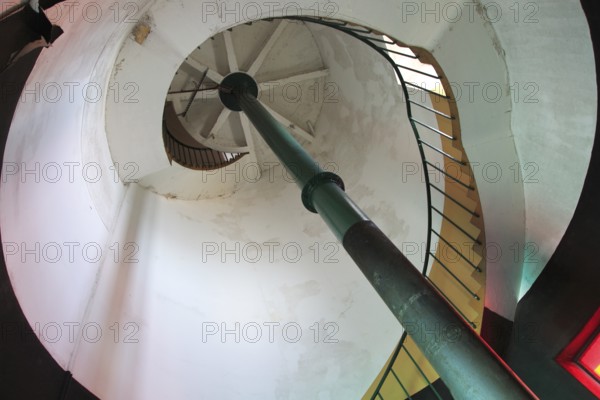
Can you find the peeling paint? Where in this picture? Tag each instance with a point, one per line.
(140, 32)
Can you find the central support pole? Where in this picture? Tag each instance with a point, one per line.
(467, 365)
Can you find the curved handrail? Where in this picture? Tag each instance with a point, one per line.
(184, 152)
(343, 26)
(359, 33)
(183, 149)
(204, 159)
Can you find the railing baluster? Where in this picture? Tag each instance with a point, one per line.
(390, 365)
(400, 383)
(357, 30)
(343, 25)
(453, 305)
(443, 96)
(418, 72)
(442, 152)
(473, 213)
(196, 157)
(376, 39)
(188, 157)
(475, 267)
(473, 294)
(196, 163)
(414, 57)
(431, 128)
(441, 114)
(421, 371)
(456, 225)
(450, 176)
(179, 152)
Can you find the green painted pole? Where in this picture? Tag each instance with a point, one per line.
(467, 365)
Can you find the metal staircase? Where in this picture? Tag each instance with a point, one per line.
(453, 259)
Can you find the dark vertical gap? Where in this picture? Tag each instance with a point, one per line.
(496, 331)
(567, 293)
(27, 371)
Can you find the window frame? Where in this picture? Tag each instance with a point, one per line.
(570, 357)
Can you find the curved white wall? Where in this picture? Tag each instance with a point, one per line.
(553, 119)
(524, 78)
(526, 82)
(151, 295)
(65, 210)
(166, 296)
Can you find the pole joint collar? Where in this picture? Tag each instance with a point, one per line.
(314, 183)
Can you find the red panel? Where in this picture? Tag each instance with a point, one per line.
(590, 359)
(585, 344)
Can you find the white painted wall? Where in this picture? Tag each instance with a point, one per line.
(522, 144)
(167, 296)
(486, 125)
(64, 210)
(154, 308)
(171, 293)
(366, 133)
(553, 118)
(180, 287)
(512, 66)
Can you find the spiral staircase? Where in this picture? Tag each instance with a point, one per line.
(193, 110)
(193, 138)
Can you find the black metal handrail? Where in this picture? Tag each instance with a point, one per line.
(198, 158)
(343, 26)
(372, 38)
(191, 155)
